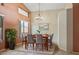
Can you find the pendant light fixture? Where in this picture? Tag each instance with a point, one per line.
(39, 13)
(39, 10)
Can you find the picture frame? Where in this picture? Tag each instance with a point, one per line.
(44, 26)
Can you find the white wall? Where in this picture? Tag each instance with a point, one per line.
(62, 31)
(49, 17)
(70, 30)
(65, 30)
(59, 25)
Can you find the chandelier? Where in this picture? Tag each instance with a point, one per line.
(39, 15)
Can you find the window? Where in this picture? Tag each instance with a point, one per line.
(1, 28)
(26, 27)
(21, 11)
(23, 28)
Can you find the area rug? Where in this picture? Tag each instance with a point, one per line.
(30, 51)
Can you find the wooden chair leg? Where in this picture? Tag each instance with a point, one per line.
(50, 45)
(42, 47)
(36, 47)
(33, 46)
(27, 46)
(22, 43)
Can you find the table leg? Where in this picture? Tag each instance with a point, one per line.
(47, 43)
(25, 44)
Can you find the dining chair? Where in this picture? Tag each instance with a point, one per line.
(30, 40)
(22, 36)
(39, 41)
(50, 40)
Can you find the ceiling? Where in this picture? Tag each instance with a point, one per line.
(44, 6)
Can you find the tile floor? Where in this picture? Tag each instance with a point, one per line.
(22, 51)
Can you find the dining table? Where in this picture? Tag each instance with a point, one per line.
(44, 36)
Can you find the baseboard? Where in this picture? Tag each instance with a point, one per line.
(6, 49)
(18, 44)
(76, 53)
(2, 50)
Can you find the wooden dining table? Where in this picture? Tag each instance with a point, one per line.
(45, 37)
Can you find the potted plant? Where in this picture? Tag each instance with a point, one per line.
(11, 37)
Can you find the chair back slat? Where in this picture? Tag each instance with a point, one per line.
(30, 38)
(39, 38)
(51, 37)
